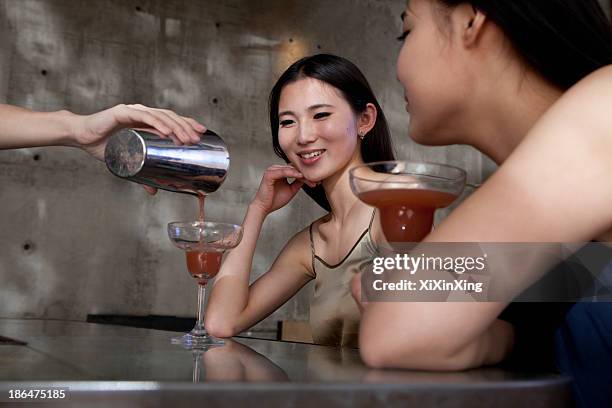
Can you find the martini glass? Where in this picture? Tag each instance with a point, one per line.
(407, 194)
(204, 244)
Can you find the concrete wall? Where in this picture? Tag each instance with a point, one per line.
(75, 240)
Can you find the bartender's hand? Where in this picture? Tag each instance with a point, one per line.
(23, 128)
(275, 191)
(91, 132)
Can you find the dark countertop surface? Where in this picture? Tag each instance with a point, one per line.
(105, 365)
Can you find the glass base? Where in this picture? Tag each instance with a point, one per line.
(193, 342)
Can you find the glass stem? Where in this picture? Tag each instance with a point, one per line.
(197, 356)
(198, 330)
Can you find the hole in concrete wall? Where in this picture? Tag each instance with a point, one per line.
(215, 101)
(36, 157)
(138, 8)
(291, 40)
(318, 46)
(28, 246)
(43, 72)
(217, 24)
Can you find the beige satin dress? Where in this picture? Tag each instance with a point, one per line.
(334, 315)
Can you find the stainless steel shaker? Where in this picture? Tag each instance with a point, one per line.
(146, 158)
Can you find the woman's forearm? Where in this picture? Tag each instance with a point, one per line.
(489, 348)
(433, 336)
(230, 292)
(21, 127)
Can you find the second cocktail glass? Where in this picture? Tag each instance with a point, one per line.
(204, 244)
(407, 194)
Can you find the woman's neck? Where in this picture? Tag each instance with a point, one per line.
(338, 190)
(504, 111)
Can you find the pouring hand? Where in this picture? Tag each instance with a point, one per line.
(275, 191)
(91, 132)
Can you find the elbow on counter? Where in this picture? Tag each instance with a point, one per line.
(431, 353)
(219, 327)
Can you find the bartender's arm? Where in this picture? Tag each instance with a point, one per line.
(21, 127)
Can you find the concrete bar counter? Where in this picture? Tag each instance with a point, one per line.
(115, 366)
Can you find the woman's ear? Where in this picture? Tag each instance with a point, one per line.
(469, 21)
(367, 119)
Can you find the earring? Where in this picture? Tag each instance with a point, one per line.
(361, 135)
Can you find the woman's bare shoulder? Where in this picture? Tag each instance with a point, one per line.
(589, 99)
(581, 117)
(599, 77)
(298, 249)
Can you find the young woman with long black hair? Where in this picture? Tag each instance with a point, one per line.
(325, 120)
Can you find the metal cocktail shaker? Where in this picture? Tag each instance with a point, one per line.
(146, 158)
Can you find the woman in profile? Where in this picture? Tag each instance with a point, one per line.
(526, 83)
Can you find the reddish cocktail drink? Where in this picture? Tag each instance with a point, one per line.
(407, 194)
(406, 214)
(203, 265)
(204, 244)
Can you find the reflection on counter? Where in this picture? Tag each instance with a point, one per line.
(234, 361)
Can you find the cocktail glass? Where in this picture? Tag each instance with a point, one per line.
(204, 244)
(407, 194)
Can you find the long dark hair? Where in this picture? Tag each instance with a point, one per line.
(343, 75)
(563, 40)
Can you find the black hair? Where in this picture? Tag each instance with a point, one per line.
(343, 75)
(562, 40)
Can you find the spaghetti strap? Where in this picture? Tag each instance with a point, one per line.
(312, 250)
(369, 226)
(314, 255)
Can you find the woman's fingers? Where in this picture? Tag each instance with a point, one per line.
(277, 173)
(296, 185)
(293, 173)
(281, 166)
(280, 173)
(309, 183)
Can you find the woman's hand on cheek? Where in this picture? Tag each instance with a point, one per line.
(275, 191)
(304, 180)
